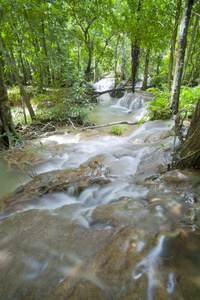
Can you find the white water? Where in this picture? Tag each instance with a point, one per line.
(122, 156)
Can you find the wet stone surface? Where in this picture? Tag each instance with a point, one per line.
(109, 223)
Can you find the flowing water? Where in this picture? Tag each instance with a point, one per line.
(114, 230)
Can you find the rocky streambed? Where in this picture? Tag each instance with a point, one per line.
(102, 219)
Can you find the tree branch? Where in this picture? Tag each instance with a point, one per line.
(110, 124)
(112, 90)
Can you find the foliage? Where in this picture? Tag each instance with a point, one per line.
(53, 41)
(18, 116)
(159, 107)
(14, 96)
(65, 103)
(118, 129)
(14, 140)
(188, 98)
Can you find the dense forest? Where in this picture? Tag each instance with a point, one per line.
(61, 46)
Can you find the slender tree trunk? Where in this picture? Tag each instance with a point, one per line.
(116, 59)
(52, 65)
(34, 38)
(182, 39)
(17, 78)
(135, 52)
(61, 71)
(95, 71)
(88, 69)
(47, 70)
(194, 68)
(20, 41)
(190, 152)
(122, 77)
(7, 130)
(145, 78)
(173, 43)
(79, 57)
(15, 72)
(190, 45)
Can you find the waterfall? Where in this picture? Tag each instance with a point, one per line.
(104, 84)
(131, 101)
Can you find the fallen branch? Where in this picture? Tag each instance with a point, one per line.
(110, 124)
(126, 83)
(112, 90)
(71, 123)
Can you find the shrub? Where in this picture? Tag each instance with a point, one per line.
(188, 98)
(118, 129)
(159, 107)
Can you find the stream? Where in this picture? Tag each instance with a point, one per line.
(103, 218)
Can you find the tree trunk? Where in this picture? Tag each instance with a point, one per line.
(122, 76)
(15, 73)
(194, 69)
(182, 39)
(7, 130)
(79, 57)
(47, 70)
(173, 43)
(190, 46)
(135, 52)
(89, 47)
(95, 71)
(145, 78)
(88, 70)
(190, 151)
(17, 78)
(116, 59)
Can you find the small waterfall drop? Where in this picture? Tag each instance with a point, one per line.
(98, 221)
(104, 84)
(132, 101)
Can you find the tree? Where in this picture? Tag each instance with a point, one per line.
(189, 51)
(122, 76)
(189, 155)
(145, 77)
(7, 130)
(87, 25)
(173, 42)
(135, 51)
(182, 39)
(11, 61)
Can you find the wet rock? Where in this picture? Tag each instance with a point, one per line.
(154, 137)
(182, 178)
(149, 168)
(19, 190)
(118, 214)
(102, 276)
(191, 215)
(100, 181)
(117, 94)
(89, 173)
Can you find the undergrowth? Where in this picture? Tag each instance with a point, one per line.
(118, 129)
(55, 104)
(159, 107)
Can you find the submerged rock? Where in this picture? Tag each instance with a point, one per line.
(191, 215)
(77, 180)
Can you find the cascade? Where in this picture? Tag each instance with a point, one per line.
(104, 84)
(98, 222)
